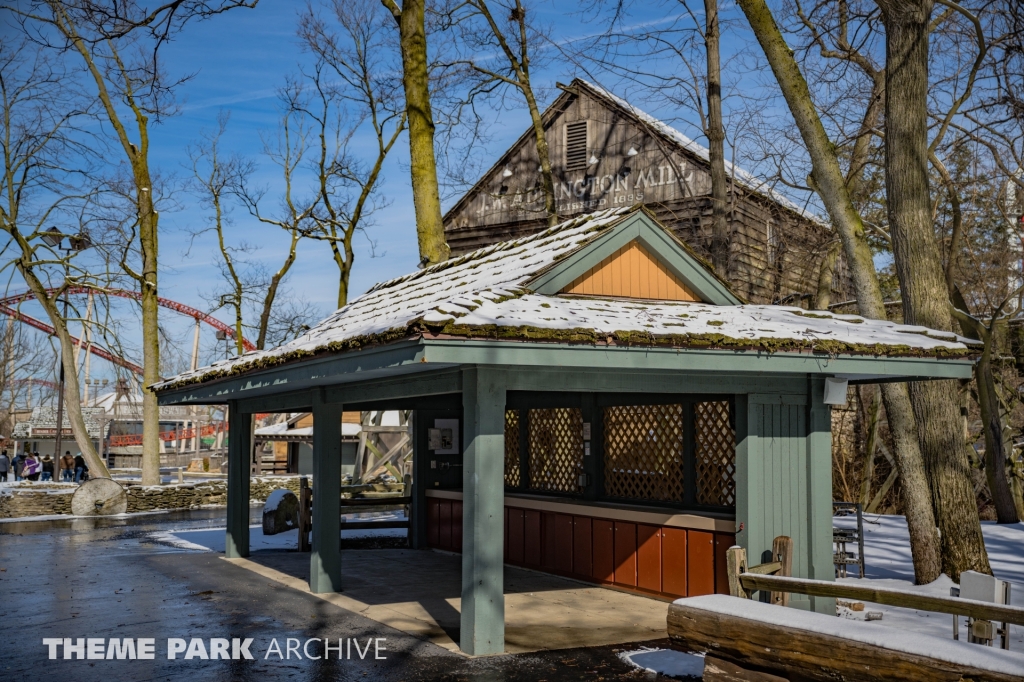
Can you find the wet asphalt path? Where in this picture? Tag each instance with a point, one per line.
(105, 578)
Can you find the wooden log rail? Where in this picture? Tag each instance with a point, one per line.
(884, 595)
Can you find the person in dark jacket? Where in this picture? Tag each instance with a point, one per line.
(80, 468)
(18, 465)
(5, 465)
(67, 467)
(47, 468)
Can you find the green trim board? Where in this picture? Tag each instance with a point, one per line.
(400, 370)
(641, 227)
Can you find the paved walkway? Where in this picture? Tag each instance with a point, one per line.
(418, 592)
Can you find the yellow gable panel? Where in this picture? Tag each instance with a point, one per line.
(631, 272)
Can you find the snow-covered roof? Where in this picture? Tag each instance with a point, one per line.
(42, 425)
(485, 294)
(742, 177)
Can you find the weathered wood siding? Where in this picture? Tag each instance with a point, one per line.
(775, 254)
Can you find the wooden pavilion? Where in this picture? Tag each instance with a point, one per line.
(590, 401)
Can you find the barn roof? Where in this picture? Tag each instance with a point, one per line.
(503, 292)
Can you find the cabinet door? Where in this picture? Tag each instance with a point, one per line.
(515, 535)
(673, 561)
(582, 546)
(433, 522)
(532, 537)
(457, 525)
(563, 543)
(625, 554)
(723, 541)
(648, 557)
(445, 524)
(604, 550)
(700, 564)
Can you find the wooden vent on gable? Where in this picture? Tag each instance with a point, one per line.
(576, 145)
(632, 272)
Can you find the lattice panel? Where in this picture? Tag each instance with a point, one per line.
(512, 448)
(556, 449)
(715, 453)
(643, 452)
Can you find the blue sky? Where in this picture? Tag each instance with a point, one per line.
(239, 60)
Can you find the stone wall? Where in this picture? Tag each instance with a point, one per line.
(35, 499)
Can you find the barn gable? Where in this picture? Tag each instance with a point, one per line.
(636, 259)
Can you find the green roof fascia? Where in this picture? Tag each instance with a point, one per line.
(645, 229)
(569, 355)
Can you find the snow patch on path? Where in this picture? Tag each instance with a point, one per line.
(667, 662)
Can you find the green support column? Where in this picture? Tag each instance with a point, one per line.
(239, 444)
(325, 559)
(819, 492)
(745, 444)
(483, 526)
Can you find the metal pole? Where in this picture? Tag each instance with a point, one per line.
(60, 403)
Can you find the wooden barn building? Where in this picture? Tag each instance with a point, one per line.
(589, 401)
(606, 153)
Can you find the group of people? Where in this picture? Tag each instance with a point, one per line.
(29, 466)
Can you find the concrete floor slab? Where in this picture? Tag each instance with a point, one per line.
(419, 592)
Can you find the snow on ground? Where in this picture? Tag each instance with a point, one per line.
(888, 564)
(666, 662)
(65, 517)
(213, 539)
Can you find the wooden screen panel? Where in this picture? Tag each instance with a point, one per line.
(673, 561)
(715, 454)
(444, 522)
(643, 452)
(531, 538)
(457, 525)
(516, 530)
(700, 563)
(512, 479)
(722, 543)
(648, 557)
(433, 522)
(582, 546)
(625, 554)
(604, 550)
(556, 449)
(632, 272)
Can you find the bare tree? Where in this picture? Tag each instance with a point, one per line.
(42, 136)
(426, 197)
(118, 43)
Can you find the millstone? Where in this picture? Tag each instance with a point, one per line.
(99, 497)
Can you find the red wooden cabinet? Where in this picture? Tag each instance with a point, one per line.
(673, 561)
(700, 563)
(625, 554)
(604, 551)
(648, 557)
(582, 547)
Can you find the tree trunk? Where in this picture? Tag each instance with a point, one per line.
(831, 187)
(150, 330)
(547, 182)
(823, 296)
(720, 236)
(922, 280)
(426, 197)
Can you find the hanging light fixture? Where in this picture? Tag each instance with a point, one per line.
(593, 160)
(506, 173)
(632, 152)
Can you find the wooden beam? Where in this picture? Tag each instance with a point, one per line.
(887, 596)
(325, 557)
(482, 627)
(801, 654)
(236, 544)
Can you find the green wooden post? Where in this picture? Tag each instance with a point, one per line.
(483, 486)
(325, 559)
(746, 438)
(420, 478)
(819, 492)
(236, 543)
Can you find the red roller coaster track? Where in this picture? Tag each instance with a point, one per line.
(99, 351)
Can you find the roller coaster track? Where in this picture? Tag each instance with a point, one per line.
(99, 351)
(169, 436)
